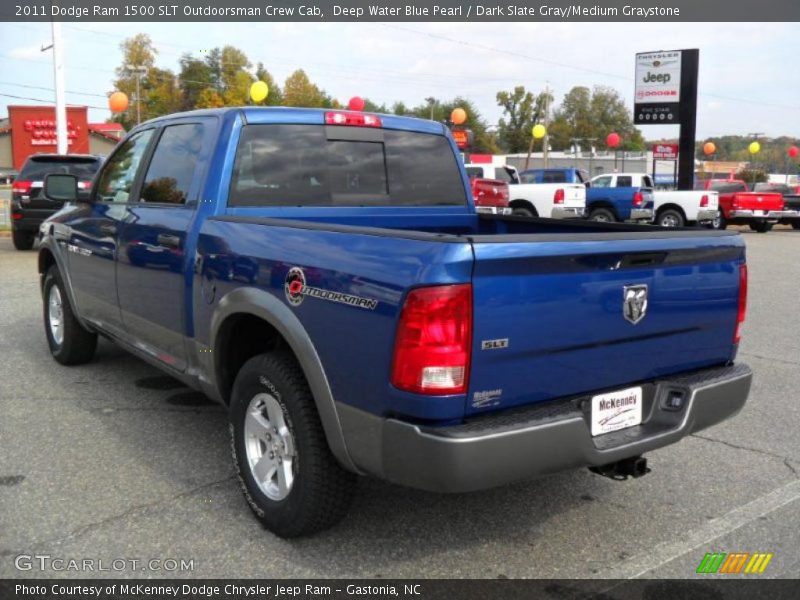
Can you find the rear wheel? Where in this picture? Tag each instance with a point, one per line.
(523, 211)
(670, 218)
(760, 226)
(23, 240)
(719, 221)
(795, 224)
(289, 476)
(70, 343)
(602, 215)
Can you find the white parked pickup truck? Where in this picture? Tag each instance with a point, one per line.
(679, 208)
(547, 200)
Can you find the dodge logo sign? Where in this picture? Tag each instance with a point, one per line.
(634, 303)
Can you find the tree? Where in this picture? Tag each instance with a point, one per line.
(209, 98)
(195, 77)
(299, 91)
(586, 114)
(522, 110)
(136, 51)
(275, 96)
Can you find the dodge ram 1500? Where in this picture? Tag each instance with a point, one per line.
(324, 275)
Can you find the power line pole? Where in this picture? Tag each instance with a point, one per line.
(62, 144)
(546, 139)
(138, 71)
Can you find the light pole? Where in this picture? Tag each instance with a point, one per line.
(431, 102)
(58, 74)
(138, 71)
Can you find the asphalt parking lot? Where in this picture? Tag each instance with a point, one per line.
(113, 460)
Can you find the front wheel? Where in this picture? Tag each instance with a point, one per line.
(670, 218)
(70, 343)
(23, 240)
(289, 476)
(602, 215)
(760, 226)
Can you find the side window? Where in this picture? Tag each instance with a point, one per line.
(647, 182)
(602, 182)
(473, 172)
(118, 175)
(583, 176)
(554, 177)
(502, 174)
(625, 181)
(172, 167)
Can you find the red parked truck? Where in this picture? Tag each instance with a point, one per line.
(491, 196)
(739, 206)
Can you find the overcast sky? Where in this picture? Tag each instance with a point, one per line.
(748, 72)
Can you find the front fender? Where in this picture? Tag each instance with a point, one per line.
(264, 305)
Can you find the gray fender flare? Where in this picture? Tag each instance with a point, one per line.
(49, 243)
(266, 306)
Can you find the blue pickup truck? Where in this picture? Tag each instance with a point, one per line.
(617, 197)
(555, 175)
(325, 276)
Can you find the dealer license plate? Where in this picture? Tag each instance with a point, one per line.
(616, 410)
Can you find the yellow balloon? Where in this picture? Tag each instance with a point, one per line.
(754, 148)
(259, 91)
(539, 131)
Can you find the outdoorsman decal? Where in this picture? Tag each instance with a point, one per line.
(296, 290)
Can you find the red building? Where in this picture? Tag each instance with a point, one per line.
(32, 129)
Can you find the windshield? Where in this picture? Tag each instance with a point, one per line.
(313, 165)
(36, 168)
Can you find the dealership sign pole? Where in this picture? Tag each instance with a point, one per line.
(666, 94)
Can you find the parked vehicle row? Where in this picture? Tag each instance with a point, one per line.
(329, 280)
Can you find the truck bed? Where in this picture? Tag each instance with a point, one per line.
(551, 289)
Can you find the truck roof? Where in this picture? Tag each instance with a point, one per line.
(307, 116)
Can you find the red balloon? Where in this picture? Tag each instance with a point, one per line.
(793, 151)
(613, 140)
(356, 103)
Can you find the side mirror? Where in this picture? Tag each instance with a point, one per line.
(61, 187)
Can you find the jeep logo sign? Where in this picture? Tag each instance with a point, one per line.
(660, 77)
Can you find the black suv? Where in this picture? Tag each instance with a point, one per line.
(29, 207)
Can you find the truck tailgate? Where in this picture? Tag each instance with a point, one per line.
(549, 315)
(574, 195)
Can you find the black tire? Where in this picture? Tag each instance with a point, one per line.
(719, 223)
(23, 240)
(795, 224)
(321, 491)
(77, 345)
(760, 226)
(670, 218)
(602, 215)
(522, 211)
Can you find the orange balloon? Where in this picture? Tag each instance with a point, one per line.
(709, 148)
(118, 102)
(458, 116)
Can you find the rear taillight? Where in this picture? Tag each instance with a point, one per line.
(434, 338)
(558, 197)
(704, 201)
(742, 303)
(356, 119)
(638, 198)
(21, 187)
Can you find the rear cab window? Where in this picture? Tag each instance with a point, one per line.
(329, 165)
(624, 181)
